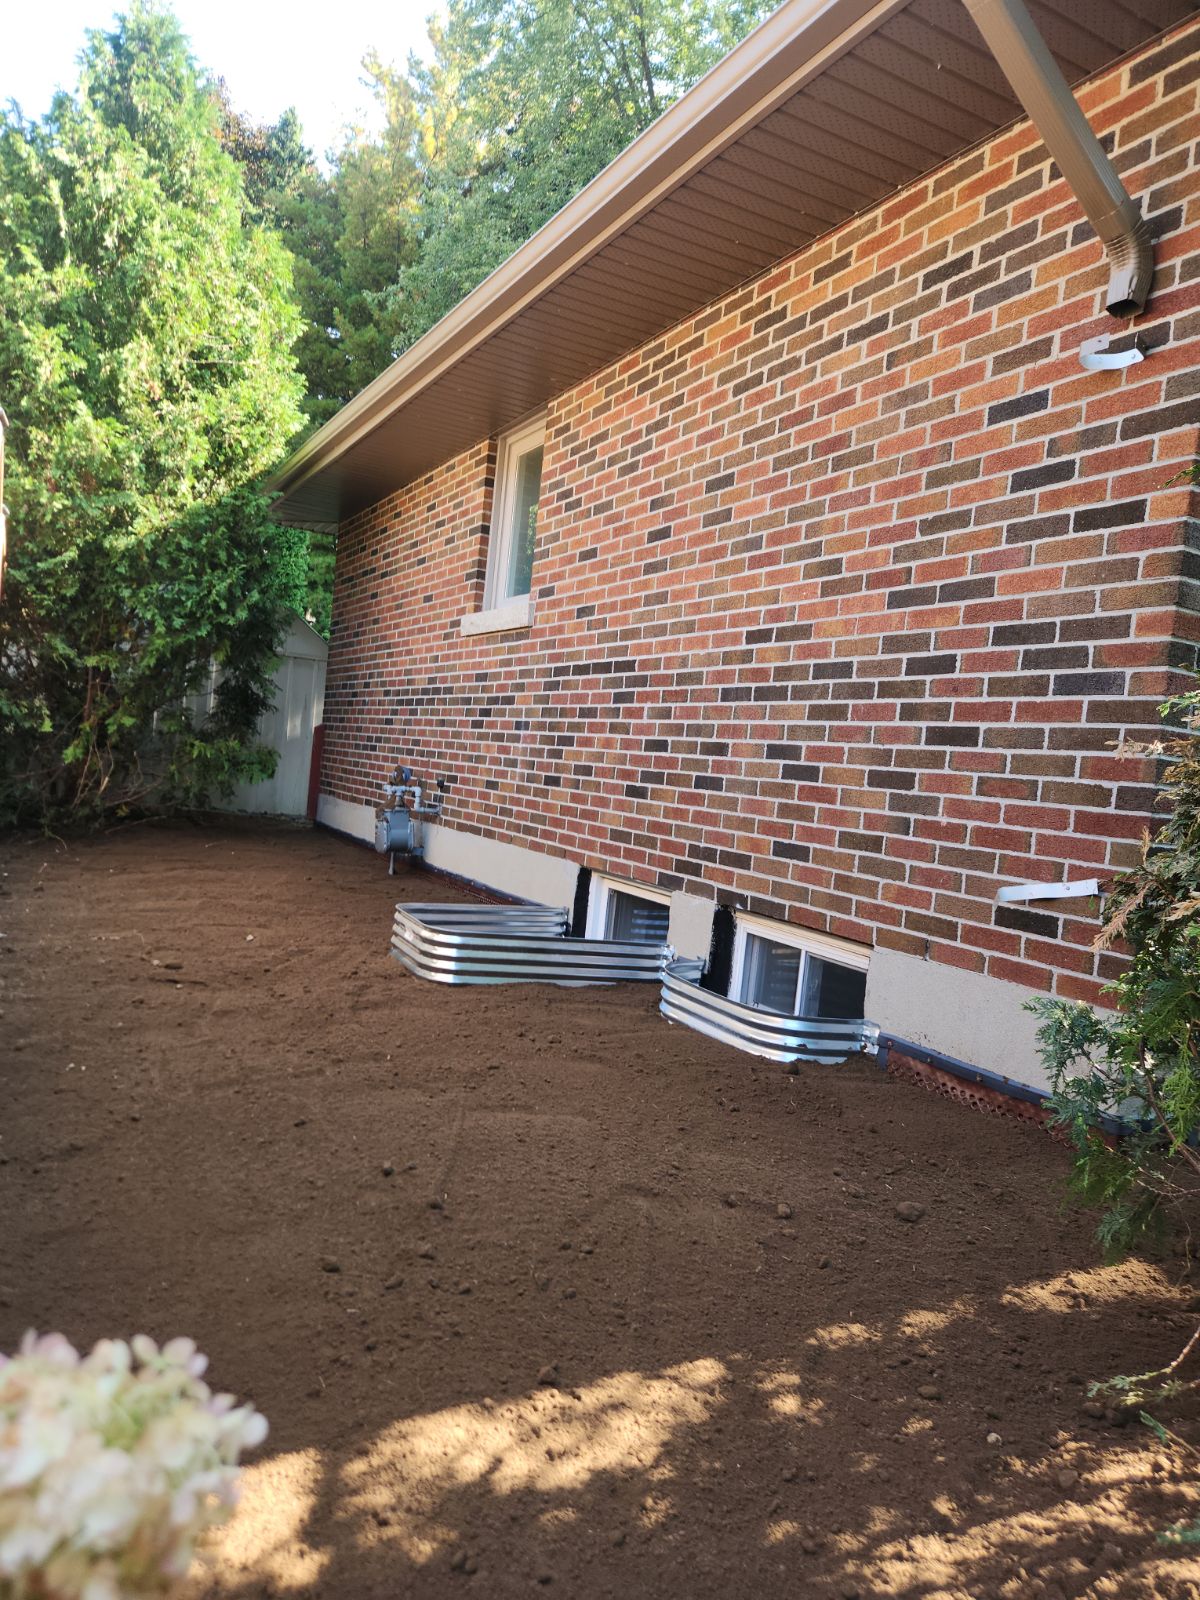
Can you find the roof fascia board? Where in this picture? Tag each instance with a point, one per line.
(794, 44)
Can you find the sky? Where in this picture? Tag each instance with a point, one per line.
(272, 53)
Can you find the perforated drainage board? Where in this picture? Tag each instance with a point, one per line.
(514, 944)
(761, 1033)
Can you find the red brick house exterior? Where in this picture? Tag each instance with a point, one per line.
(843, 590)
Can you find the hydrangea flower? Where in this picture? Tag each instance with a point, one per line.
(111, 1466)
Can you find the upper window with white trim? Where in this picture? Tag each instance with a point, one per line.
(514, 513)
(618, 910)
(789, 970)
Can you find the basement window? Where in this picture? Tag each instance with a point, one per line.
(797, 973)
(513, 535)
(618, 910)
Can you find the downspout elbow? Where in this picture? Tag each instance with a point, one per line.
(1025, 60)
(1130, 266)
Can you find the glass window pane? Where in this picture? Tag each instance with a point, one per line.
(831, 990)
(522, 528)
(772, 972)
(642, 921)
(772, 978)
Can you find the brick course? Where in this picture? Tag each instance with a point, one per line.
(844, 587)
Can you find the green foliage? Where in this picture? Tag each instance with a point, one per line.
(1141, 1063)
(350, 234)
(145, 367)
(160, 255)
(523, 103)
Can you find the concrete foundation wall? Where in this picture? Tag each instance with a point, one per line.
(690, 928)
(510, 868)
(344, 816)
(977, 1018)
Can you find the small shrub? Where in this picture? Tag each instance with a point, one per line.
(1141, 1063)
(111, 1466)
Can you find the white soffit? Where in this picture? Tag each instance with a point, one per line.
(822, 112)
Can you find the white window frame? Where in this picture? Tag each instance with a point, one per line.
(503, 612)
(825, 946)
(600, 893)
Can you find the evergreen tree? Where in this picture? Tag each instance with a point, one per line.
(145, 366)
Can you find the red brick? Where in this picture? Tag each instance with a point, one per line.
(872, 526)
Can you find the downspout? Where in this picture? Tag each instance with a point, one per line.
(1026, 62)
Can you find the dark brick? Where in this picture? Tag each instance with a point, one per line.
(1112, 625)
(1021, 405)
(966, 589)
(903, 644)
(1023, 356)
(948, 269)
(786, 851)
(1003, 199)
(1054, 658)
(899, 599)
(867, 330)
(1012, 240)
(1087, 683)
(1033, 528)
(1022, 921)
(832, 268)
(1184, 414)
(1038, 477)
(930, 666)
(1119, 515)
(870, 844)
(1022, 633)
(998, 293)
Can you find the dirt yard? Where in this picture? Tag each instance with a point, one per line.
(538, 1293)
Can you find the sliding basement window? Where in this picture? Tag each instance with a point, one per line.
(789, 970)
(618, 910)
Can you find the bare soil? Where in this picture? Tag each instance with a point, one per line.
(538, 1293)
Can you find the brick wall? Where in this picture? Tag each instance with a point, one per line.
(845, 587)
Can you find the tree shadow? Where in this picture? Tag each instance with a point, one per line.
(716, 1476)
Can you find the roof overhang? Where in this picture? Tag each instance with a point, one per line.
(823, 111)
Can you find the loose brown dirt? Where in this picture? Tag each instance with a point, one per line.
(538, 1293)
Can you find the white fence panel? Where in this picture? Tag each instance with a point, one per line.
(287, 728)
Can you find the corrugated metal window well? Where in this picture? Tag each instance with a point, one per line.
(515, 944)
(792, 996)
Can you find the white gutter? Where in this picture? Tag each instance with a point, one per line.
(768, 67)
(792, 46)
